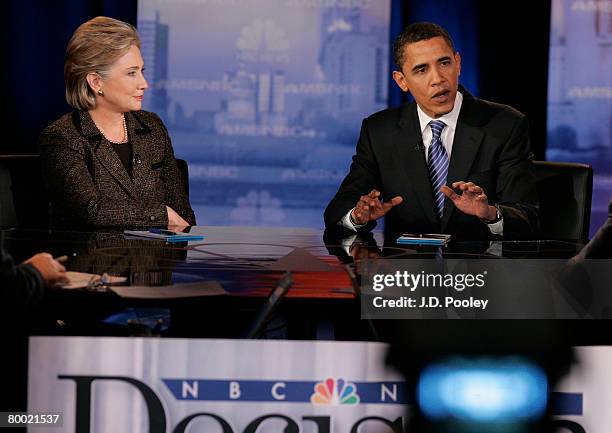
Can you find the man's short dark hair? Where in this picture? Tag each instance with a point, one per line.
(418, 32)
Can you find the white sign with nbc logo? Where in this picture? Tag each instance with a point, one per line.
(335, 392)
(217, 385)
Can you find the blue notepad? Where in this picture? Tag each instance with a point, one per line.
(164, 235)
(437, 239)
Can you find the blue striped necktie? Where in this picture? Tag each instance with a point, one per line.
(437, 160)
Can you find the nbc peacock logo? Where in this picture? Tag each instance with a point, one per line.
(263, 34)
(334, 392)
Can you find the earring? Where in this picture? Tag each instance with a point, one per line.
(100, 92)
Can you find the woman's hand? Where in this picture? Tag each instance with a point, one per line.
(175, 220)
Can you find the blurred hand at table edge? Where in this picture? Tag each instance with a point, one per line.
(53, 272)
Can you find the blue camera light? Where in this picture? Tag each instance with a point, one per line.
(491, 390)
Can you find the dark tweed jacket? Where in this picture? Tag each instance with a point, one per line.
(88, 185)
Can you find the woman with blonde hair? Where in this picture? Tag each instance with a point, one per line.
(109, 163)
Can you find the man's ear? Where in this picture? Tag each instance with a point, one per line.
(400, 80)
(458, 61)
(95, 81)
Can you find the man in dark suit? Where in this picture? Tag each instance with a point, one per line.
(21, 287)
(24, 284)
(408, 156)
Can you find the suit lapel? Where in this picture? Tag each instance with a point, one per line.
(411, 160)
(137, 131)
(104, 152)
(465, 148)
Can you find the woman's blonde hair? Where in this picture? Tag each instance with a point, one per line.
(94, 47)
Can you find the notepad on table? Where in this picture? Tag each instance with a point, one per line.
(82, 280)
(437, 239)
(164, 235)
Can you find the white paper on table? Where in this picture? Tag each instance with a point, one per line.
(80, 280)
(181, 290)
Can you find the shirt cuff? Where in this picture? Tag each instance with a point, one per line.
(346, 222)
(347, 243)
(497, 228)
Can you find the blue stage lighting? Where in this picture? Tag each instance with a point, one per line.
(487, 390)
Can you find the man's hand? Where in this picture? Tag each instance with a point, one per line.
(51, 270)
(370, 208)
(472, 201)
(363, 252)
(360, 251)
(175, 221)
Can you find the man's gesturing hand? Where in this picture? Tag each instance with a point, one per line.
(370, 208)
(472, 201)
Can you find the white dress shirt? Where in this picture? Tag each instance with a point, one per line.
(447, 137)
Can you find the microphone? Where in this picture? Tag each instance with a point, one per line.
(258, 326)
(136, 159)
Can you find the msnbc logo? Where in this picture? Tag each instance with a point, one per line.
(333, 392)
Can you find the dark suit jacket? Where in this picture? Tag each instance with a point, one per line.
(89, 186)
(20, 285)
(490, 148)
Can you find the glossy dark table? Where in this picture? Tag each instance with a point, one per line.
(247, 262)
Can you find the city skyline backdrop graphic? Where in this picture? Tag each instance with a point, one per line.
(265, 99)
(580, 93)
